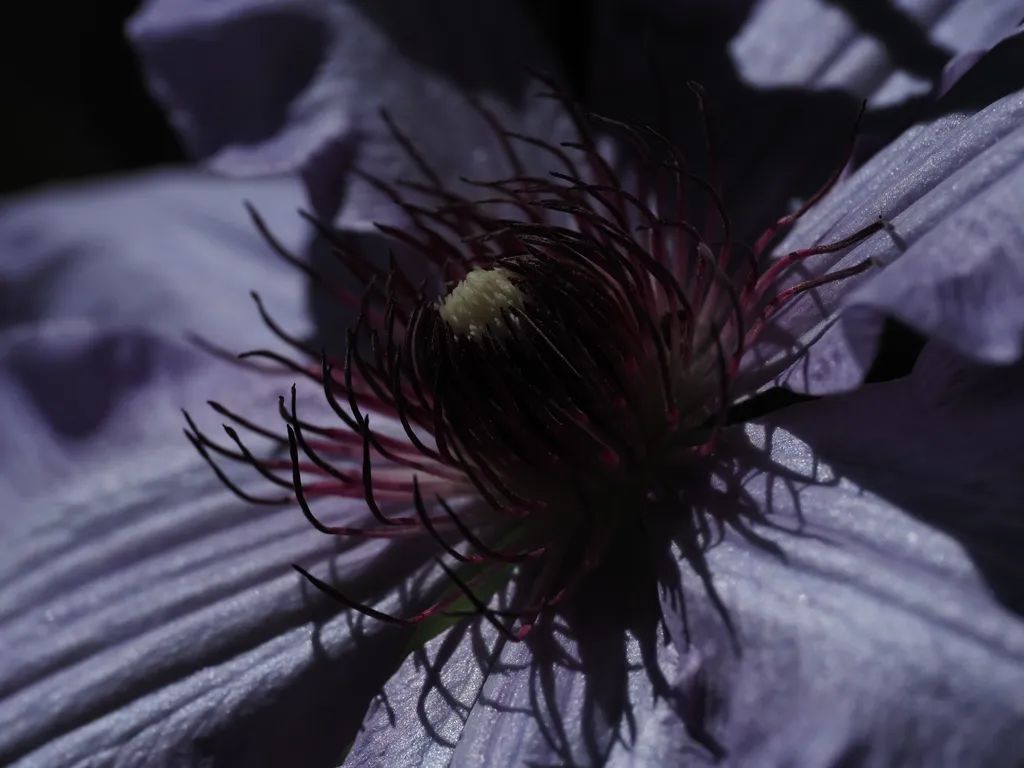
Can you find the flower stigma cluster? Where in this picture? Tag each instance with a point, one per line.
(477, 305)
(567, 361)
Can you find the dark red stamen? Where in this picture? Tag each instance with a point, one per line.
(611, 362)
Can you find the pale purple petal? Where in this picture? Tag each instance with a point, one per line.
(417, 719)
(262, 86)
(588, 688)
(952, 189)
(173, 251)
(586, 692)
(891, 630)
(102, 282)
(147, 613)
(266, 697)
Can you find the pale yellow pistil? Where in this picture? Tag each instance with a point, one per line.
(475, 305)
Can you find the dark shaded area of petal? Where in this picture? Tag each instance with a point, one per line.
(889, 630)
(982, 88)
(249, 76)
(72, 393)
(943, 446)
(104, 372)
(785, 78)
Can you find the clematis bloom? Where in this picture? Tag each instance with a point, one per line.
(156, 619)
(568, 373)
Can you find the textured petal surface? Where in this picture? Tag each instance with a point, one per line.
(418, 718)
(952, 189)
(587, 688)
(888, 628)
(280, 85)
(149, 616)
(891, 630)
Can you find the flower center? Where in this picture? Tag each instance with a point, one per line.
(480, 303)
(547, 379)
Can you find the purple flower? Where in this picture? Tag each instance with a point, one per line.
(149, 617)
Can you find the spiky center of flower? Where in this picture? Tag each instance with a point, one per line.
(548, 392)
(572, 372)
(480, 303)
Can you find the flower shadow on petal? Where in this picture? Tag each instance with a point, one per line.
(579, 683)
(584, 648)
(333, 692)
(447, 652)
(903, 38)
(956, 466)
(998, 73)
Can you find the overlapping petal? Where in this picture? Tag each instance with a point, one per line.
(953, 270)
(261, 86)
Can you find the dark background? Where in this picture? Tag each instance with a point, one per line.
(74, 103)
(73, 100)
